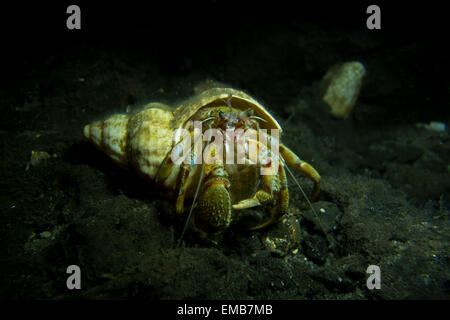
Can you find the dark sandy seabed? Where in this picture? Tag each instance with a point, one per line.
(385, 191)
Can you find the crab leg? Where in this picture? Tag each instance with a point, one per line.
(282, 202)
(264, 195)
(270, 184)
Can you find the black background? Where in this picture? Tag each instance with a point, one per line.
(172, 30)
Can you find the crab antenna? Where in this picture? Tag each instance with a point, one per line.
(304, 195)
(228, 102)
(307, 199)
(193, 202)
(301, 189)
(256, 117)
(207, 119)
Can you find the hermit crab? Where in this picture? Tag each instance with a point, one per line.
(175, 148)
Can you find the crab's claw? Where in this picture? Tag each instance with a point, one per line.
(213, 208)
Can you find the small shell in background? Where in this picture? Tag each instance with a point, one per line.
(343, 83)
(433, 126)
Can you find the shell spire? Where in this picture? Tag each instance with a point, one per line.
(110, 136)
(140, 141)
